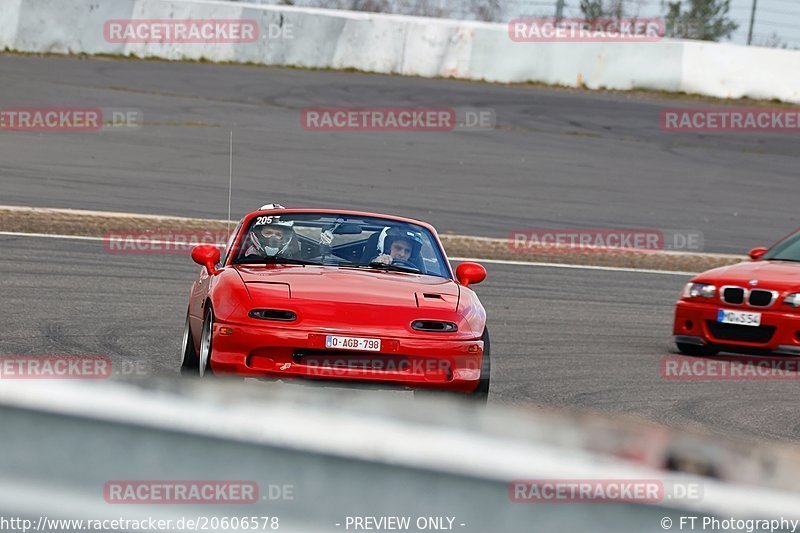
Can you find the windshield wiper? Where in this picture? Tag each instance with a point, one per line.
(379, 266)
(782, 259)
(396, 268)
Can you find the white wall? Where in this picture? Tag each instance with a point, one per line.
(9, 20)
(396, 44)
(734, 71)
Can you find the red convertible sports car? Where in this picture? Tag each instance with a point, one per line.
(337, 295)
(747, 307)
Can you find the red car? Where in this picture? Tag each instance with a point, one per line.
(747, 307)
(337, 295)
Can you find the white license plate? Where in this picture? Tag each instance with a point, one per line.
(353, 343)
(742, 318)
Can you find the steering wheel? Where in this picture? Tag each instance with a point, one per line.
(405, 264)
(322, 258)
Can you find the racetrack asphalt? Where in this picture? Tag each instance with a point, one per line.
(557, 158)
(561, 338)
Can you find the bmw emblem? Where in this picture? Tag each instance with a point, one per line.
(753, 282)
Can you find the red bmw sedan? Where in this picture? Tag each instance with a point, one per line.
(748, 307)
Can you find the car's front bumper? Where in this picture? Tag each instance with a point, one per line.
(285, 353)
(696, 323)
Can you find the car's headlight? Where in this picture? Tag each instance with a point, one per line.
(793, 299)
(699, 290)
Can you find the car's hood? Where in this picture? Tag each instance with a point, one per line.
(357, 286)
(777, 275)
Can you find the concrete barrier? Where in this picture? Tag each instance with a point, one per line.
(733, 71)
(418, 46)
(344, 454)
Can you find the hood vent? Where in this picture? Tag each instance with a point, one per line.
(273, 314)
(436, 326)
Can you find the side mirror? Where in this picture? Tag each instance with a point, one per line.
(208, 256)
(470, 273)
(756, 253)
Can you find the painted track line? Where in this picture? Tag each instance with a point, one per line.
(568, 265)
(491, 261)
(448, 236)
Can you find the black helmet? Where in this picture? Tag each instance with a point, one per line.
(395, 234)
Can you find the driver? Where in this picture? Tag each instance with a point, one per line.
(275, 238)
(399, 246)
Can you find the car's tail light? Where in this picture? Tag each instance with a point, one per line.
(273, 314)
(434, 325)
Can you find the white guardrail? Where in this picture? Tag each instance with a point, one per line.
(414, 46)
(323, 457)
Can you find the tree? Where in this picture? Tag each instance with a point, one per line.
(706, 20)
(488, 11)
(775, 41)
(596, 9)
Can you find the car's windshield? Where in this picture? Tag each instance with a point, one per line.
(786, 250)
(340, 240)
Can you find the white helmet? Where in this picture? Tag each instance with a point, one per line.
(272, 246)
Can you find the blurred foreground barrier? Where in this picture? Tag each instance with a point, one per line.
(307, 459)
(414, 46)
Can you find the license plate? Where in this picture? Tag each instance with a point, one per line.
(741, 318)
(353, 343)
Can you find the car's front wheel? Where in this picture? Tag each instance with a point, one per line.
(189, 361)
(481, 393)
(696, 349)
(204, 361)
